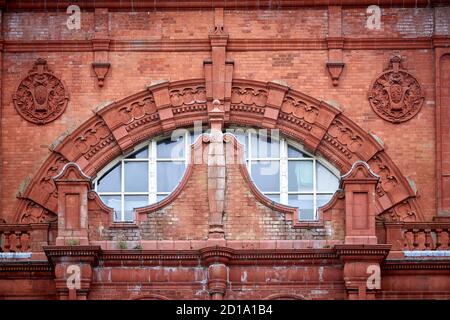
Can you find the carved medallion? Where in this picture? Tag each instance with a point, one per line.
(396, 95)
(40, 97)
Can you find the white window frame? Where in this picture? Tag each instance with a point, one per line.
(284, 159)
(151, 161)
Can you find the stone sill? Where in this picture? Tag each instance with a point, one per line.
(123, 225)
(308, 225)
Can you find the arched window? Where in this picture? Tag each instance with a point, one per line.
(146, 176)
(279, 168)
(287, 174)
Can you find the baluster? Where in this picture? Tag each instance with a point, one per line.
(438, 239)
(415, 240)
(428, 240)
(421, 239)
(25, 240)
(7, 245)
(12, 241)
(446, 239)
(18, 235)
(409, 239)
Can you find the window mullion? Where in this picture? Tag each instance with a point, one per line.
(152, 172)
(122, 190)
(314, 190)
(283, 172)
(186, 148)
(249, 153)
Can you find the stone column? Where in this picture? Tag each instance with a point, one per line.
(216, 173)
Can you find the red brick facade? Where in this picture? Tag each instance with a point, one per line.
(374, 102)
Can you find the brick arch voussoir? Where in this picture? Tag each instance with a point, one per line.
(117, 127)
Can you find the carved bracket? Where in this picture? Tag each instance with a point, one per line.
(335, 70)
(101, 70)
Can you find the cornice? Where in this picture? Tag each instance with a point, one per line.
(203, 45)
(208, 255)
(415, 265)
(28, 266)
(12, 5)
(87, 253)
(362, 252)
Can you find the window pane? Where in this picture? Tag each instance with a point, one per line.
(273, 197)
(266, 175)
(295, 153)
(110, 182)
(160, 197)
(305, 204)
(136, 176)
(168, 175)
(264, 146)
(300, 176)
(323, 199)
(140, 154)
(132, 202)
(326, 180)
(114, 202)
(169, 149)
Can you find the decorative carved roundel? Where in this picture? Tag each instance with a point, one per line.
(40, 97)
(396, 95)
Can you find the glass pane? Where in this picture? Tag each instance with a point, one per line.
(326, 180)
(140, 154)
(323, 199)
(110, 182)
(132, 202)
(136, 176)
(300, 176)
(273, 197)
(264, 146)
(168, 149)
(114, 202)
(305, 203)
(160, 197)
(295, 153)
(266, 175)
(168, 175)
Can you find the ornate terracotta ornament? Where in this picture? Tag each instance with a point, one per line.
(396, 95)
(40, 97)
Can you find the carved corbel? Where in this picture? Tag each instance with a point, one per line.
(335, 71)
(100, 46)
(335, 44)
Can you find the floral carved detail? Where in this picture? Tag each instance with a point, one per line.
(40, 97)
(248, 99)
(46, 182)
(396, 95)
(94, 139)
(296, 109)
(137, 110)
(188, 99)
(343, 138)
(401, 212)
(34, 213)
(388, 182)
